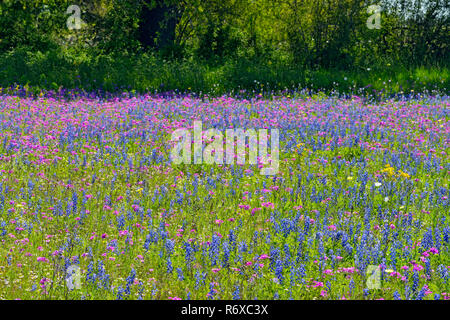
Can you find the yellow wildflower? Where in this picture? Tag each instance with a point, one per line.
(404, 174)
(389, 170)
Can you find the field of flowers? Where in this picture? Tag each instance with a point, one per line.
(92, 208)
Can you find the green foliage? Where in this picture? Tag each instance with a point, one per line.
(212, 45)
(143, 72)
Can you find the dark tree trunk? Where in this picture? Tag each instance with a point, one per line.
(157, 26)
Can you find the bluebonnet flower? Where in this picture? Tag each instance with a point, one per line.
(154, 291)
(169, 265)
(443, 273)
(427, 240)
(214, 249)
(170, 246)
(421, 294)
(292, 276)
(255, 238)
(188, 253)
(120, 222)
(232, 239)
(141, 291)
(279, 270)
(74, 202)
(394, 254)
(199, 279)
(437, 238)
(366, 292)
(212, 291)
(162, 230)
(130, 281)
(69, 207)
(226, 254)
(90, 275)
(236, 293)
(180, 274)
(446, 234)
(360, 257)
(415, 281)
(301, 272)
(120, 293)
(274, 254)
(130, 215)
(105, 281)
(351, 286)
(3, 228)
(307, 225)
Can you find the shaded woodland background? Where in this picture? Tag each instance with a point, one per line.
(220, 46)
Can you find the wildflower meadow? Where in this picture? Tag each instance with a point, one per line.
(93, 207)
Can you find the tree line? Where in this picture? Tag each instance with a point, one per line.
(310, 33)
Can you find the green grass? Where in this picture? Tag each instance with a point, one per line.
(146, 72)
